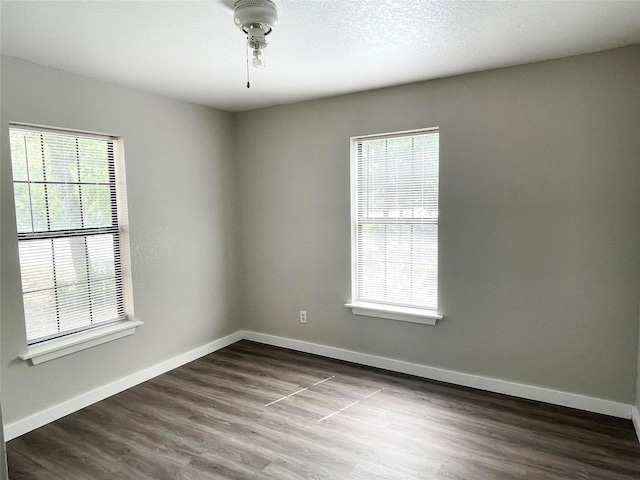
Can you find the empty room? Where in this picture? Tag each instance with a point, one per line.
(320, 239)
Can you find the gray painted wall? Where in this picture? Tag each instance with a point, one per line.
(182, 194)
(540, 236)
(539, 226)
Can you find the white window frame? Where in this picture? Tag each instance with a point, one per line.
(68, 342)
(385, 310)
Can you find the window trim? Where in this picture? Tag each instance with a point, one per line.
(378, 309)
(75, 342)
(393, 312)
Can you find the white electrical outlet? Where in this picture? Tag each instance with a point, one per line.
(303, 316)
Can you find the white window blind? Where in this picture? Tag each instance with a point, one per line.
(396, 219)
(68, 232)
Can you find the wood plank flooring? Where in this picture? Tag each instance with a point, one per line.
(252, 411)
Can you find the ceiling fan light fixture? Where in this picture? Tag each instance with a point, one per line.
(256, 18)
(257, 58)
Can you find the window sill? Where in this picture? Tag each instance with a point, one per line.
(391, 312)
(60, 347)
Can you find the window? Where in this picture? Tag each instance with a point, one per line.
(68, 213)
(395, 226)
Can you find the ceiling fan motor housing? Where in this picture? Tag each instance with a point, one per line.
(252, 16)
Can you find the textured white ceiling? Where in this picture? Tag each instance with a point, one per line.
(192, 51)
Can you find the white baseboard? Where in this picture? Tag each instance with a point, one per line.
(20, 427)
(635, 416)
(581, 402)
(565, 399)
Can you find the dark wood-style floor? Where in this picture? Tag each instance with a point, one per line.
(252, 411)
